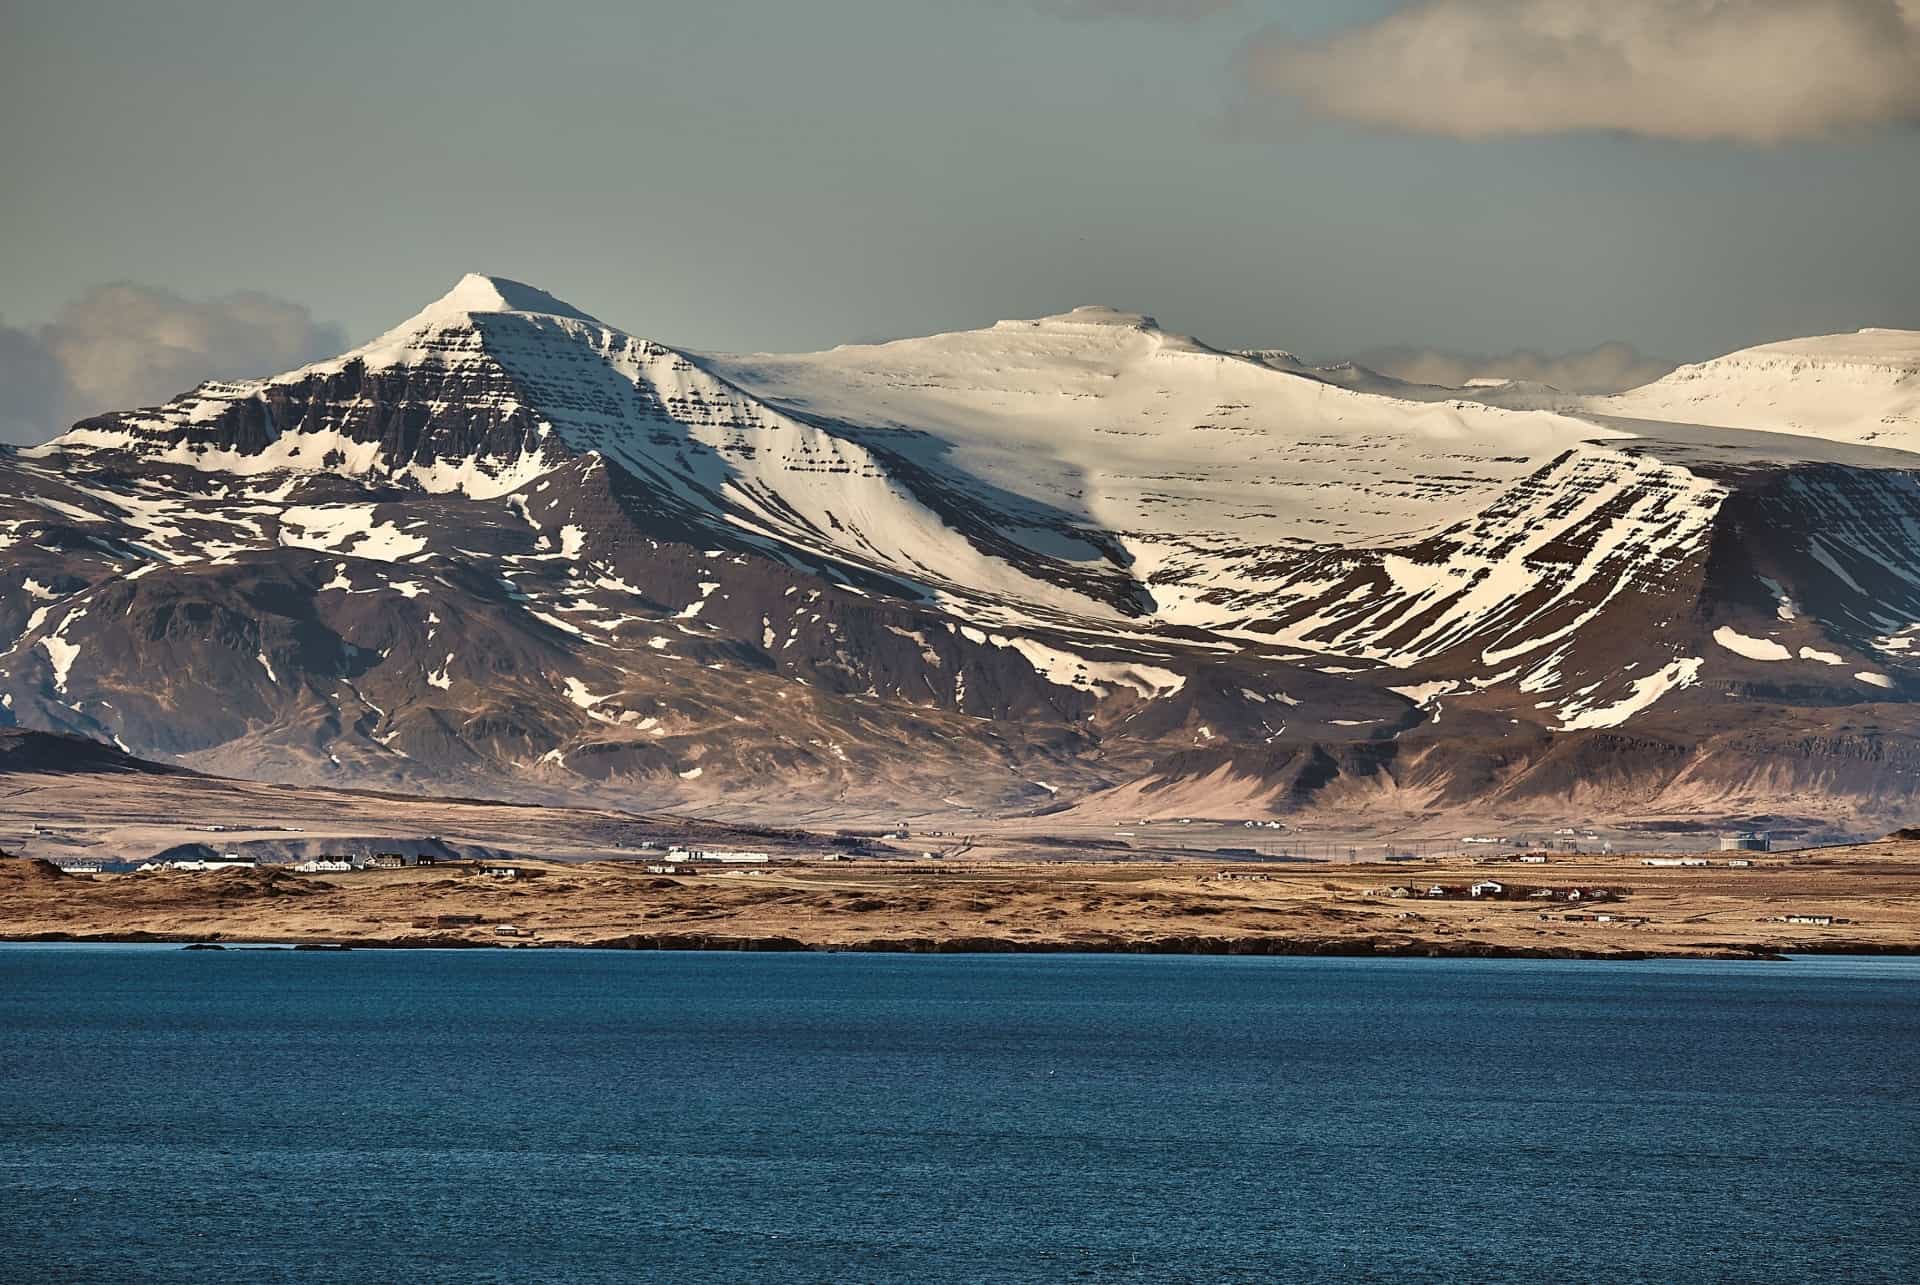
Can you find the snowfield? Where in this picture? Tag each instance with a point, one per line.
(1862, 387)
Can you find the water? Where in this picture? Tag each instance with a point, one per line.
(584, 1116)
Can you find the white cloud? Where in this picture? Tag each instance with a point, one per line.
(128, 345)
(1609, 368)
(122, 346)
(1753, 71)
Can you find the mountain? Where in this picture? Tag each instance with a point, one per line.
(1078, 562)
(1862, 387)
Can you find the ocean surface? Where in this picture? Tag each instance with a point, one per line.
(547, 1115)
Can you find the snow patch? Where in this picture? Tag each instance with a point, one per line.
(1066, 669)
(692, 609)
(577, 693)
(61, 653)
(347, 528)
(1423, 693)
(1784, 605)
(1641, 695)
(1752, 648)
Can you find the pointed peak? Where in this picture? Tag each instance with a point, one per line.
(477, 292)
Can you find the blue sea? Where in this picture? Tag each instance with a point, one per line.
(549, 1115)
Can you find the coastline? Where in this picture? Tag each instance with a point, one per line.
(1272, 947)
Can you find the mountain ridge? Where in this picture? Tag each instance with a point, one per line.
(508, 547)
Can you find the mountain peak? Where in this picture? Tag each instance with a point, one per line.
(478, 292)
(1873, 346)
(1087, 316)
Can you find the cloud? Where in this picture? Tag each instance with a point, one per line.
(1751, 71)
(1609, 368)
(122, 346)
(33, 388)
(1179, 10)
(129, 345)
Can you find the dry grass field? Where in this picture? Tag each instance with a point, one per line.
(1871, 892)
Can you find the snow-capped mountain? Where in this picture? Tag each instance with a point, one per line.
(1862, 387)
(1072, 561)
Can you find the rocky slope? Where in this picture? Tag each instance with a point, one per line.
(1071, 562)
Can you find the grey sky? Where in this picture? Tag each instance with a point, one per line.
(763, 174)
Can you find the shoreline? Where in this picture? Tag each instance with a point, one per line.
(1192, 947)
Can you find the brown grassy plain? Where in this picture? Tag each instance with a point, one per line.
(1871, 890)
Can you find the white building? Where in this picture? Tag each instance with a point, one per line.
(730, 856)
(231, 861)
(324, 866)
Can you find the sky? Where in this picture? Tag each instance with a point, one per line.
(231, 187)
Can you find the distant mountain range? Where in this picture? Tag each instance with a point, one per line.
(1077, 563)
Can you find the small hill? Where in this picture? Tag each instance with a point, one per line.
(22, 750)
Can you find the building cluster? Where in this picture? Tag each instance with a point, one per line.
(1586, 917)
(691, 861)
(313, 865)
(1694, 863)
(1495, 890)
(348, 863)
